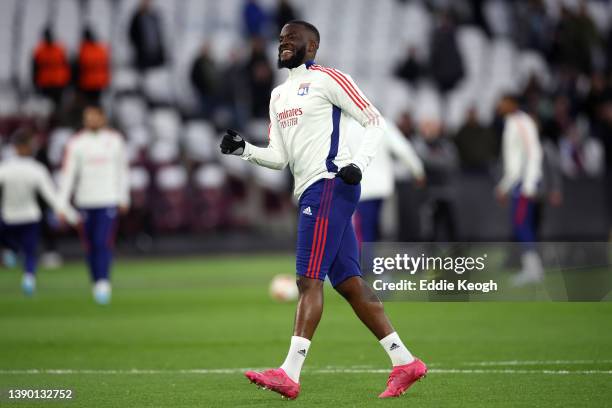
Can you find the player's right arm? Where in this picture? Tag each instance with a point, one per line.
(511, 154)
(403, 150)
(274, 156)
(50, 195)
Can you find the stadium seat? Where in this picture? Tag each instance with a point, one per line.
(272, 180)
(210, 201)
(157, 86)
(9, 104)
(473, 46)
(139, 186)
(427, 104)
(163, 152)
(200, 141)
(138, 135)
(257, 131)
(165, 124)
(170, 209)
(130, 111)
(236, 168)
(498, 17)
(183, 58)
(125, 80)
(36, 106)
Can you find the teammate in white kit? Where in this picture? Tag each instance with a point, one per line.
(522, 155)
(96, 168)
(309, 115)
(22, 180)
(378, 181)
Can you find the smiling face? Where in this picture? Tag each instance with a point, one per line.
(297, 45)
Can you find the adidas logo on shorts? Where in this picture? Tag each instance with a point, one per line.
(307, 211)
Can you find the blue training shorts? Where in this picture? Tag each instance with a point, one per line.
(326, 241)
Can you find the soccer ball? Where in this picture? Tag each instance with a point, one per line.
(283, 288)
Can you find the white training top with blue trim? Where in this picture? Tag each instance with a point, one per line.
(309, 115)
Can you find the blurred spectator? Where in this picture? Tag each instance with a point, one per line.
(255, 19)
(441, 163)
(261, 78)
(575, 40)
(581, 155)
(50, 68)
(562, 118)
(605, 112)
(446, 64)
(407, 194)
(146, 37)
(93, 67)
(233, 109)
(204, 77)
(409, 69)
(534, 28)
(552, 179)
(478, 17)
(378, 183)
(477, 145)
(284, 14)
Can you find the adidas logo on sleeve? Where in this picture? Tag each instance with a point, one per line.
(307, 211)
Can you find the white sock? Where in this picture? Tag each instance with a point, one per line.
(295, 358)
(398, 353)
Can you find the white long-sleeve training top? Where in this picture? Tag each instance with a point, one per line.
(96, 167)
(522, 154)
(309, 115)
(21, 179)
(379, 178)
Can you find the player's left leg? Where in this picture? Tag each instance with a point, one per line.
(102, 240)
(345, 276)
(524, 230)
(29, 235)
(325, 211)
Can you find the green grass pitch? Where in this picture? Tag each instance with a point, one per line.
(179, 330)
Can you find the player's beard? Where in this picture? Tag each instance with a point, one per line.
(293, 62)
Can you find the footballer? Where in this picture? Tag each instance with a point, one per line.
(96, 171)
(309, 115)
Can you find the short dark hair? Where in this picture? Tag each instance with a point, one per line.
(94, 106)
(22, 137)
(308, 26)
(511, 96)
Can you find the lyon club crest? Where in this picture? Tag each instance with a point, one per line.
(303, 90)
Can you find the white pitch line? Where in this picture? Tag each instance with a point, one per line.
(535, 362)
(203, 371)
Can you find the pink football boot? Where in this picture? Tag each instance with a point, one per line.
(402, 377)
(275, 380)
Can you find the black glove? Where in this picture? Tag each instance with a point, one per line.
(350, 174)
(232, 143)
